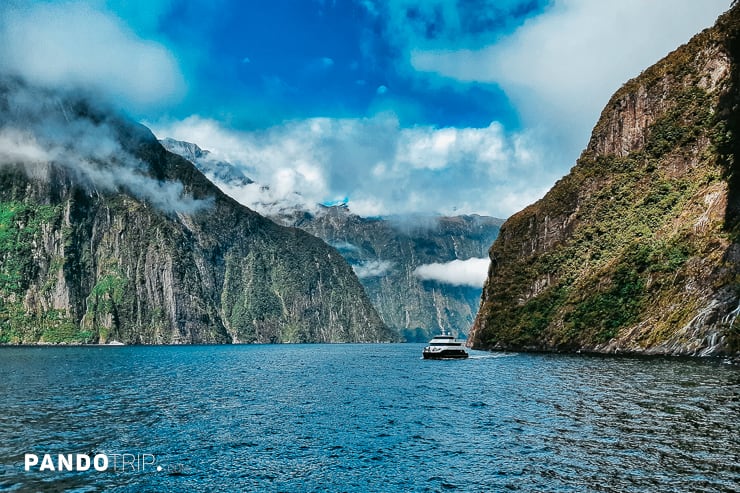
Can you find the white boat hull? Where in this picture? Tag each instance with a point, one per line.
(444, 354)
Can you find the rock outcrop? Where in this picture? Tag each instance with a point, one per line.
(637, 249)
(105, 235)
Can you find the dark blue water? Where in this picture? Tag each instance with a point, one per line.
(368, 418)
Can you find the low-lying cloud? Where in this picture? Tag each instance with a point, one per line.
(372, 268)
(345, 246)
(379, 166)
(39, 129)
(471, 272)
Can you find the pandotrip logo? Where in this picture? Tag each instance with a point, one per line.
(98, 462)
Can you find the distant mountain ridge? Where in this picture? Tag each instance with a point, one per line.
(637, 249)
(214, 169)
(385, 253)
(105, 235)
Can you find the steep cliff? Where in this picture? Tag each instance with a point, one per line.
(385, 253)
(106, 235)
(636, 250)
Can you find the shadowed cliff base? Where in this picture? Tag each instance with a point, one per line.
(728, 149)
(728, 121)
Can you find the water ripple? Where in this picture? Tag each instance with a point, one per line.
(369, 418)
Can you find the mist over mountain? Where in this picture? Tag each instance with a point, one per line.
(423, 273)
(105, 235)
(215, 170)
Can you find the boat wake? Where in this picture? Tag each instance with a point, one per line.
(491, 355)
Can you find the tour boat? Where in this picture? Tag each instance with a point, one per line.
(445, 346)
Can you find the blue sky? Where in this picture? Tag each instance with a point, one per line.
(441, 106)
(260, 63)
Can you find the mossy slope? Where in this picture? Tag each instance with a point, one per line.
(84, 263)
(636, 250)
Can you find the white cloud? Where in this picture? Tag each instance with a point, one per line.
(382, 168)
(40, 128)
(372, 268)
(559, 69)
(18, 146)
(345, 246)
(266, 200)
(421, 148)
(561, 66)
(71, 44)
(471, 272)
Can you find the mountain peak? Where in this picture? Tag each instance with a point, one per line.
(219, 172)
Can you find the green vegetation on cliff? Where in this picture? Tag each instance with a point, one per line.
(636, 249)
(385, 252)
(114, 238)
(21, 227)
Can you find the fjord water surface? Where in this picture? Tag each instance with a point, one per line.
(368, 418)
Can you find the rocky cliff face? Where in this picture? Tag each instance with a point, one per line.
(636, 250)
(105, 235)
(385, 254)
